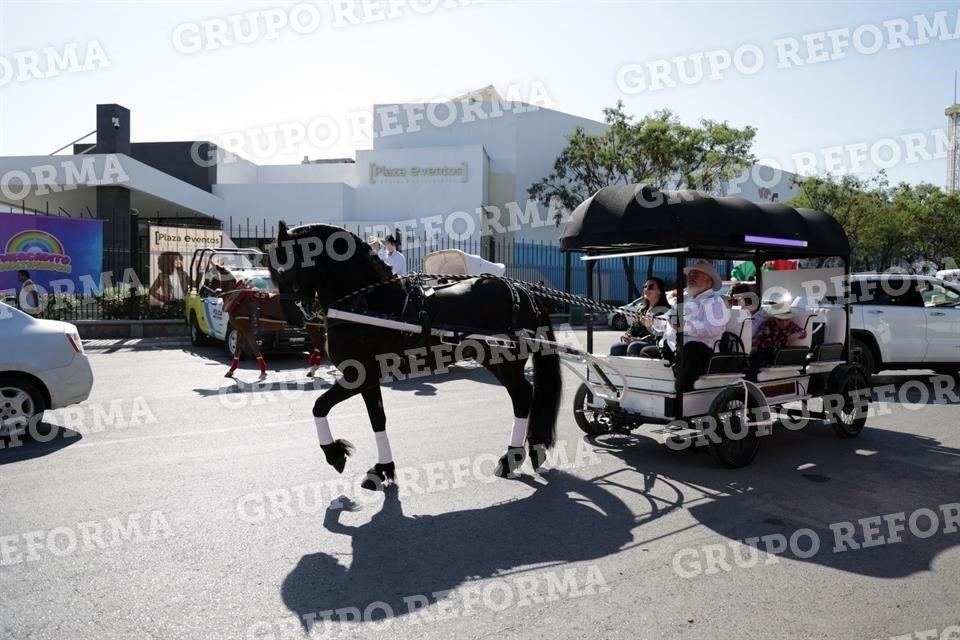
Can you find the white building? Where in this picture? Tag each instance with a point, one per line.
(435, 168)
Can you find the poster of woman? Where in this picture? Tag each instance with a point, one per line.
(172, 283)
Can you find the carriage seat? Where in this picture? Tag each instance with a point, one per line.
(731, 352)
(790, 359)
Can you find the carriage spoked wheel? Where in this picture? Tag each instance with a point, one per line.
(590, 421)
(736, 442)
(850, 384)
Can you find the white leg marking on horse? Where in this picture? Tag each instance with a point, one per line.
(323, 431)
(519, 434)
(384, 454)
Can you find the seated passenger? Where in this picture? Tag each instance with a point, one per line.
(705, 316)
(776, 330)
(640, 335)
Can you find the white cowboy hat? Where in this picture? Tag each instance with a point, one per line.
(705, 266)
(374, 240)
(778, 306)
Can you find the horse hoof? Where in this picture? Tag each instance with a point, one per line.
(336, 454)
(309, 374)
(228, 374)
(379, 476)
(538, 455)
(509, 463)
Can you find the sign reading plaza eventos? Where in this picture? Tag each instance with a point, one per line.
(50, 248)
(171, 249)
(381, 173)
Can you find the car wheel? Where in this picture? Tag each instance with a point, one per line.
(197, 338)
(619, 322)
(21, 402)
(230, 343)
(861, 353)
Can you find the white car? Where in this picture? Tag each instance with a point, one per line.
(905, 321)
(42, 366)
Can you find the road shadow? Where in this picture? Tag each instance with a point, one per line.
(40, 441)
(924, 388)
(811, 479)
(397, 556)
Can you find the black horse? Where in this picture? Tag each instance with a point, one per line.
(332, 267)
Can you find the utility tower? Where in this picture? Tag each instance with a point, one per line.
(953, 137)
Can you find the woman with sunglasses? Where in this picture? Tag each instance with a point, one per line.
(639, 335)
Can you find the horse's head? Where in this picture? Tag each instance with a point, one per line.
(283, 265)
(322, 263)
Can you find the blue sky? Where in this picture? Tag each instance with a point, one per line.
(572, 49)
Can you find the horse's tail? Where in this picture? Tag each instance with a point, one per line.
(547, 389)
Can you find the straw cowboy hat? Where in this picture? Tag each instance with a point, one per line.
(705, 266)
(778, 306)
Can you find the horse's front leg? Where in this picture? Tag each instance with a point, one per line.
(237, 352)
(335, 451)
(316, 356)
(384, 472)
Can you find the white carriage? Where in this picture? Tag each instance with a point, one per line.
(737, 399)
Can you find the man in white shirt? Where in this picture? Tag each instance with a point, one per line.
(29, 297)
(394, 258)
(705, 316)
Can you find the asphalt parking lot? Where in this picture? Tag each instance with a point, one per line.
(181, 505)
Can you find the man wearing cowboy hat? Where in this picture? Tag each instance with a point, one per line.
(705, 317)
(377, 244)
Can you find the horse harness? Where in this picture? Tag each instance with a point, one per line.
(419, 291)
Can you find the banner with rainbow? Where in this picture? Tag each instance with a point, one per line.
(51, 248)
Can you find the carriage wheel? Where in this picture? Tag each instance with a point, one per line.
(849, 419)
(590, 421)
(738, 443)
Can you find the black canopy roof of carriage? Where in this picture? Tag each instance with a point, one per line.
(635, 218)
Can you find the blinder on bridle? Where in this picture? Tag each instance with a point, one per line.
(296, 296)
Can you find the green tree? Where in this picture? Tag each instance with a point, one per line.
(887, 226)
(656, 150)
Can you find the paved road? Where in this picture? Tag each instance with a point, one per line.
(172, 510)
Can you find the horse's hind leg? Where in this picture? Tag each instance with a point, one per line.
(382, 473)
(510, 375)
(261, 363)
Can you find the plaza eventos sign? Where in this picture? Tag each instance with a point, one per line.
(380, 173)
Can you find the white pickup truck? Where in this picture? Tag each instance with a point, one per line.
(902, 321)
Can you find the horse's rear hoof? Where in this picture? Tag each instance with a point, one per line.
(509, 463)
(538, 455)
(309, 374)
(228, 374)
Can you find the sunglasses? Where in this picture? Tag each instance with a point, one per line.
(649, 286)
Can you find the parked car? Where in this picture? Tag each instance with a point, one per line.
(214, 271)
(902, 321)
(42, 366)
